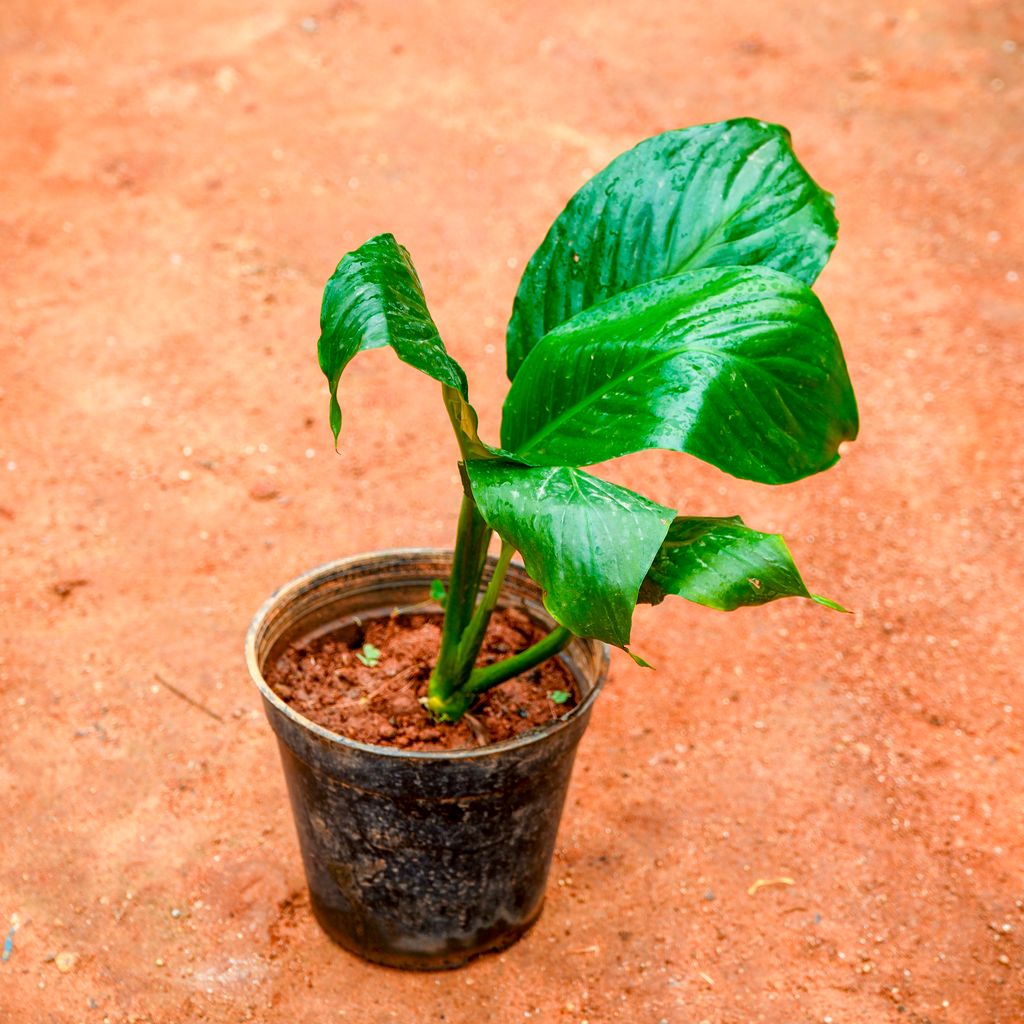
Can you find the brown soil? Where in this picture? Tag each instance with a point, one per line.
(179, 180)
(325, 681)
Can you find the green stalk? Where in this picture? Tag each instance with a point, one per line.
(484, 678)
(473, 636)
(471, 539)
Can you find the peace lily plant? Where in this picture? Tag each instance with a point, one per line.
(668, 307)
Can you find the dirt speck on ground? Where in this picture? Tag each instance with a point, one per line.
(179, 182)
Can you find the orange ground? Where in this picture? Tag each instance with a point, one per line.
(178, 181)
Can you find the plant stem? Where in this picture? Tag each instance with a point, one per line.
(473, 636)
(484, 678)
(454, 682)
(471, 542)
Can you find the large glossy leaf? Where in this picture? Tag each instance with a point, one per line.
(737, 366)
(725, 194)
(721, 563)
(374, 299)
(587, 543)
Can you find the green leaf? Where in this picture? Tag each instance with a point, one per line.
(738, 366)
(369, 656)
(725, 194)
(559, 696)
(587, 543)
(720, 563)
(374, 299)
(437, 592)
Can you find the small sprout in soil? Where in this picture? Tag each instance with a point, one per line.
(369, 656)
(559, 696)
(668, 307)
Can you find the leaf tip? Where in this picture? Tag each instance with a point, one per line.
(642, 662)
(834, 605)
(334, 416)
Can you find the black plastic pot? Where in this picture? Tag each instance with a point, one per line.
(417, 859)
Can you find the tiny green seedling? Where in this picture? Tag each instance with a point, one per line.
(369, 656)
(668, 307)
(559, 696)
(437, 592)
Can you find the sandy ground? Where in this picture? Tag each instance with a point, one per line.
(178, 181)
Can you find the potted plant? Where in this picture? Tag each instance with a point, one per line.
(668, 307)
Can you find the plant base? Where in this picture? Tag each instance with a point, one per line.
(415, 858)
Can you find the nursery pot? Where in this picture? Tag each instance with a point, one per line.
(417, 859)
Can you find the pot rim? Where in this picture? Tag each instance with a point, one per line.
(303, 581)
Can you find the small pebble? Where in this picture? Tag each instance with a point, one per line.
(226, 79)
(263, 490)
(65, 962)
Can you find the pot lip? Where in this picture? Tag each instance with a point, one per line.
(304, 581)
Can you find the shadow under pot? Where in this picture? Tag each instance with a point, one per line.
(418, 859)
